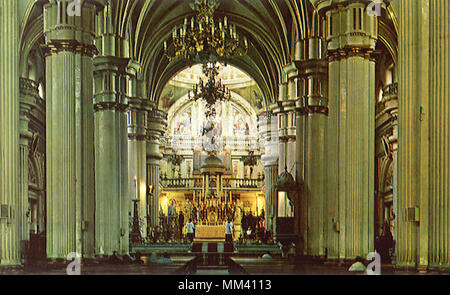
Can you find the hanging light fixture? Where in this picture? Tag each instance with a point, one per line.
(203, 39)
(211, 92)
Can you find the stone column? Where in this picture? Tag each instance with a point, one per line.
(390, 96)
(312, 111)
(352, 35)
(70, 129)
(284, 110)
(28, 93)
(137, 149)
(113, 195)
(156, 128)
(111, 156)
(295, 89)
(10, 224)
(268, 132)
(438, 146)
(423, 137)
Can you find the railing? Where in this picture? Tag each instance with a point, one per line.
(191, 183)
(391, 89)
(233, 143)
(28, 86)
(242, 183)
(197, 183)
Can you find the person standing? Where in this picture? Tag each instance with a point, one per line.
(262, 229)
(190, 227)
(229, 232)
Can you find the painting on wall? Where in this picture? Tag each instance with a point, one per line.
(170, 95)
(240, 125)
(183, 123)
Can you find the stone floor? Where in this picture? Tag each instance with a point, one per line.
(242, 265)
(206, 259)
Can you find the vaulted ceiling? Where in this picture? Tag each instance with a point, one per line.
(271, 26)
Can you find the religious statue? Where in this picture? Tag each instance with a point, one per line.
(188, 207)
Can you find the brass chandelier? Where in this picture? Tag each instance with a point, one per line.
(211, 92)
(203, 39)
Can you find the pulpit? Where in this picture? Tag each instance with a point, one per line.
(287, 221)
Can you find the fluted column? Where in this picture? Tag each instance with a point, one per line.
(28, 91)
(268, 132)
(70, 132)
(439, 186)
(111, 156)
(157, 124)
(284, 109)
(351, 38)
(9, 133)
(312, 111)
(410, 117)
(112, 191)
(423, 153)
(137, 149)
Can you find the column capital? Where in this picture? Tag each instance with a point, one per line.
(156, 127)
(269, 161)
(137, 118)
(312, 69)
(350, 27)
(65, 32)
(28, 93)
(110, 83)
(157, 122)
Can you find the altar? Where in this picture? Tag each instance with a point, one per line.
(213, 232)
(210, 232)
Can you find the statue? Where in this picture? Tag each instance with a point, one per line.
(188, 208)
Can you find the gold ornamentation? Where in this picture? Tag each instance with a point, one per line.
(56, 46)
(367, 53)
(203, 39)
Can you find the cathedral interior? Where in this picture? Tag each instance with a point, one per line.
(318, 128)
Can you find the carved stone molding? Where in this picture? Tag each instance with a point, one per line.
(57, 46)
(107, 106)
(366, 53)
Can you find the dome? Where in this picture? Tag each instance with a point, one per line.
(212, 165)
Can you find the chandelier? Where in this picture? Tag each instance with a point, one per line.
(204, 39)
(211, 92)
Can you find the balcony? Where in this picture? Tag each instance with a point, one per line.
(196, 183)
(233, 143)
